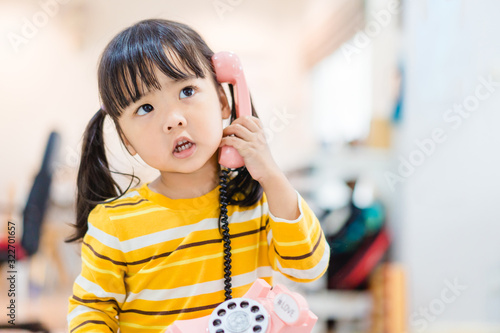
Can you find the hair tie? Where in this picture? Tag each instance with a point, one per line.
(99, 113)
(102, 111)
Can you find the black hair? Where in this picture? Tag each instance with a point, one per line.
(125, 72)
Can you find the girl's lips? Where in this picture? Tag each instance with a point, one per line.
(186, 152)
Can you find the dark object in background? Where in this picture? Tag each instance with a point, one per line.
(357, 247)
(38, 199)
(30, 327)
(33, 215)
(36, 205)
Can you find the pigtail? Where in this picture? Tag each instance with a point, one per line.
(95, 183)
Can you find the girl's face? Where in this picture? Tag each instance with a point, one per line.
(177, 128)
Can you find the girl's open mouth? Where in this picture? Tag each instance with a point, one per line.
(184, 148)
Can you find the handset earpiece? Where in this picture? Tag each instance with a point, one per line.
(228, 69)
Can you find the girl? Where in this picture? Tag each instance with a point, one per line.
(155, 254)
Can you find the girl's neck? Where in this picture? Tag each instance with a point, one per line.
(192, 185)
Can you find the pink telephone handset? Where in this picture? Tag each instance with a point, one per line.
(228, 69)
(262, 309)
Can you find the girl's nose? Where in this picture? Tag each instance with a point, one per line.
(174, 120)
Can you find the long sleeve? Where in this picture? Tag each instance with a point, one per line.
(298, 248)
(99, 290)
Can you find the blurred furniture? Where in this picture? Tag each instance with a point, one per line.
(360, 242)
(388, 291)
(360, 286)
(33, 216)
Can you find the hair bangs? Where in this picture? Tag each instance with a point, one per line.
(127, 67)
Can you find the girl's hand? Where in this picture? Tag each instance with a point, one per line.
(249, 140)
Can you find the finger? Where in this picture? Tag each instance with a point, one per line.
(258, 122)
(232, 141)
(252, 123)
(239, 130)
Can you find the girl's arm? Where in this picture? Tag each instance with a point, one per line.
(281, 196)
(297, 245)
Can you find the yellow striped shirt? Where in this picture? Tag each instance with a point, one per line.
(148, 260)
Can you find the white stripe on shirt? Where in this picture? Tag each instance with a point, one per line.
(97, 290)
(104, 238)
(169, 234)
(311, 273)
(80, 309)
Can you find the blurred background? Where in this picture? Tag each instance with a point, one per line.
(384, 115)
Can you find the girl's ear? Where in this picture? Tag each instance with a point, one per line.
(224, 104)
(127, 144)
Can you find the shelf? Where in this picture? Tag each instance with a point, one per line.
(345, 305)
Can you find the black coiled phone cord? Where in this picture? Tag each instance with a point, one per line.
(223, 222)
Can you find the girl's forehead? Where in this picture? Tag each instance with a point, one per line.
(140, 73)
(166, 81)
(177, 65)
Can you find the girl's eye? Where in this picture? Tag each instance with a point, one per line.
(187, 92)
(144, 109)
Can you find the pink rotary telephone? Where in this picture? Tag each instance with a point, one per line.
(228, 69)
(262, 309)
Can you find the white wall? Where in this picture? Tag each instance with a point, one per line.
(450, 226)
